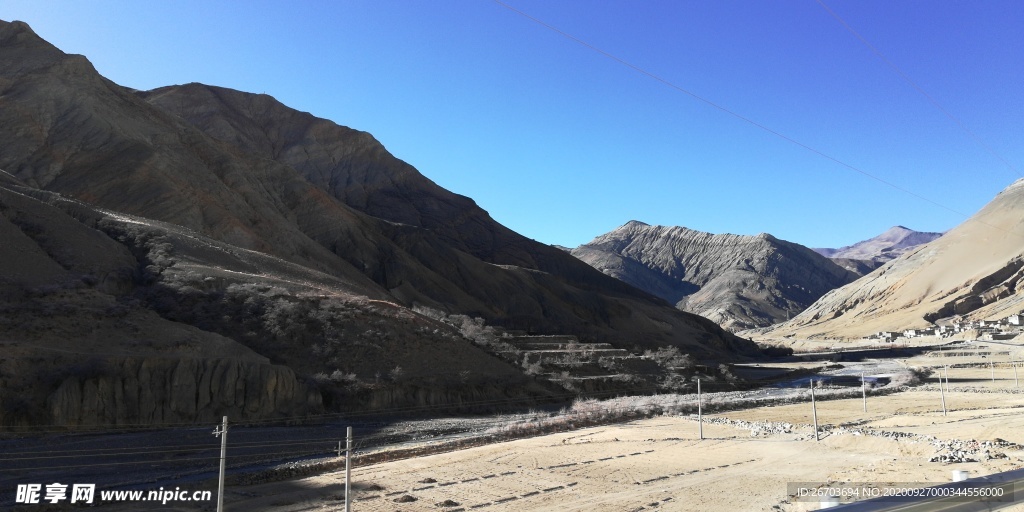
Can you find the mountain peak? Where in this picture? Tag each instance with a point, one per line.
(19, 33)
(739, 281)
(899, 231)
(892, 243)
(8, 28)
(25, 52)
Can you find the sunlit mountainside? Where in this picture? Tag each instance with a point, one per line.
(174, 228)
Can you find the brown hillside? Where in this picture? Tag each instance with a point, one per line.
(68, 130)
(973, 270)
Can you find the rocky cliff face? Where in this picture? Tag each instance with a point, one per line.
(737, 281)
(161, 391)
(973, 270)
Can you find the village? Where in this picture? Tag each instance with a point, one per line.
(989, 330)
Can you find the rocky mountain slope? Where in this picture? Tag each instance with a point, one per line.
(107, 318)
(737, 281)
(972, 270)
(237, 219)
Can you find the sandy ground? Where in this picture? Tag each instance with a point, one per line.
(747, 460)
(661, 464)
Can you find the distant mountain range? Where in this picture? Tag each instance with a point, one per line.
(870, 254)
(738, 281)
(282, 238)
(973, 271)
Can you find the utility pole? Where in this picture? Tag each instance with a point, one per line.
(348, 470)
(1016, 383)
(222, 433)
(943, 393)
(814, 411)
(864, 391)
(700, 420)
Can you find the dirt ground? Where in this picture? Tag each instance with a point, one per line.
(744, 462)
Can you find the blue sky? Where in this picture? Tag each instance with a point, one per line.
(562, 143)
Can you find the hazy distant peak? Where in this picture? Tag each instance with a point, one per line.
(898, 230)
(890, 244)
(632, 225)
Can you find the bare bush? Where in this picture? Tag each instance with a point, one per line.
(572, 359)
(396, 373)
(533, 368)
(342, 377)
(775, 350)
(912, 378)
(670, 357)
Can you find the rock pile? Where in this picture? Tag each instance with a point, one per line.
(947, 451)
(757, 428)
(970, 450)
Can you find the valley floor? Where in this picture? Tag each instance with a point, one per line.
(660, 464)
(744, 462)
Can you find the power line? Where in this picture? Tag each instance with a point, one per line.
(135, 463)
(392, 411)
(119, 452)
(679, 400)
(524, 422)
(721, 108)
(899, 72)
(531, 400)
(62, 466)
(553, 399)
(743, 118)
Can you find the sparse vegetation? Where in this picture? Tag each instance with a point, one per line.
(670, 357)
(775, 350)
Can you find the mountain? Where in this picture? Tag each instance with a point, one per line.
(290, 236)
(115, 311)
(889, 245)
(857, 266)
(738, 281)
(972, 270)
